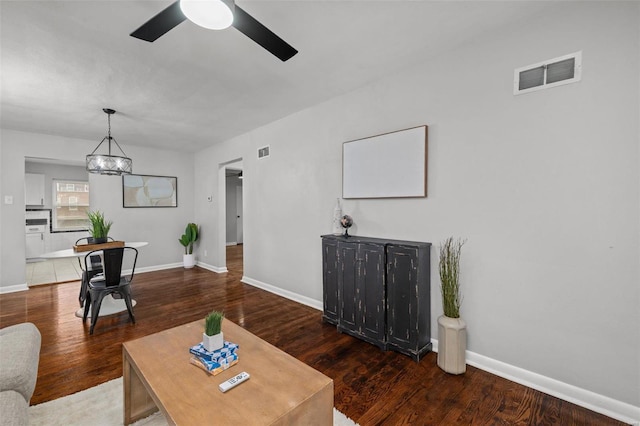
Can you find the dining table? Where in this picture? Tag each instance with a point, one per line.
(109, 305)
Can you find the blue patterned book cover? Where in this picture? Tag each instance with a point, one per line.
(216, 356)
(214, 367)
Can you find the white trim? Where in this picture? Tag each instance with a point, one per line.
(316, 304)
(599, 403)
(13, 288)
(142, 270)
(232, 243)
(216, 269)
(595, 402)
(139, 270)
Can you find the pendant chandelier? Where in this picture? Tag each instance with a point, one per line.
(107, 164)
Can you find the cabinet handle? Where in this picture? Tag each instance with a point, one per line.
(41, 237)
(42, 201)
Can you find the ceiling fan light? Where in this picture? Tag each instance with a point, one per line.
(211, 14)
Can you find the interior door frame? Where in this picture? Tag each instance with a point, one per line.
(222, 211)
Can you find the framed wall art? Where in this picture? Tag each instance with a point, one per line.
(149, 191)
(392, 165)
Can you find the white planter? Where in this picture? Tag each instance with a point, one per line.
(189, 260)
(452, 344)
(213, 343)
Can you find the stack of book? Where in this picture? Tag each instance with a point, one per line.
(214, 362)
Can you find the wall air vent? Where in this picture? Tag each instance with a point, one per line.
(544, 75)
(263, 152)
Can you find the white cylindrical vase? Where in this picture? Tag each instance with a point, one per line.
(188, 260)
(212, 343)
(452, 344)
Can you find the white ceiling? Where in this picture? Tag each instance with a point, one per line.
(63, 61)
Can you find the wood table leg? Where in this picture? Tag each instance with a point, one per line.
(138, 404)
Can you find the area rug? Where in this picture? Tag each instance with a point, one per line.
(102, 406)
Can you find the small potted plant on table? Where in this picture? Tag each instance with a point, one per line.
(212, 338)
(99, 229)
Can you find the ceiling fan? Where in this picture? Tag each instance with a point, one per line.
(207, 13)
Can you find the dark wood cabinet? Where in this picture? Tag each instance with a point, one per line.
(409, 299)
(379, 291)
(361, 291)
(330, 281)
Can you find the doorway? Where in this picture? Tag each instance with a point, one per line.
(233, 197)
(234, 217)
(56, 201)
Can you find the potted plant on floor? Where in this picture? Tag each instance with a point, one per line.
(452, 330)
(212, 338)
(99, 228)
(189, 237)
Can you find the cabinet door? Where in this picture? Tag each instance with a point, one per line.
(330, 281)
(402, 306)
(35, 245)
(34, 189)
(371, 291)
(347, 259)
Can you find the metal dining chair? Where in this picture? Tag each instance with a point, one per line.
(87, 274)
(110, 281)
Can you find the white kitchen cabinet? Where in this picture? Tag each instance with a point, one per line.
(34, 189)
(35, 245)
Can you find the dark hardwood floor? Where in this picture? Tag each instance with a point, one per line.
(372, 387)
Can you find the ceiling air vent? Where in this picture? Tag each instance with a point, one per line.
(263, 152)
(544, 75)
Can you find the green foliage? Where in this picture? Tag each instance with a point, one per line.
(450, 276)
(189, 237)
(99, 227)
(213, 323)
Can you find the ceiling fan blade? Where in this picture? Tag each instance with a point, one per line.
(160, 24)
(262, 35)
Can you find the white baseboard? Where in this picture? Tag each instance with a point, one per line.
(232, 243)
(284, 293)
(216, 269)
(143, 269)
(595, 402)
(599, 403)
(13, 288)
(203, 265)
(139, 270)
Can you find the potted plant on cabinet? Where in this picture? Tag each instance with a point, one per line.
(99, 228)
(212, 338)
(452, 330)
(189, 237)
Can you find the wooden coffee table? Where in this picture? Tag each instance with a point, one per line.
(281, 391)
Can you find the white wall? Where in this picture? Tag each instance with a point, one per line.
(545, 186)
(161, 227)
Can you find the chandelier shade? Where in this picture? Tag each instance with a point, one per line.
(108, 164)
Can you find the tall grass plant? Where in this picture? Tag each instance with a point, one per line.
(449, 267)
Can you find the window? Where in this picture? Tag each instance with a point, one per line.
(554, 72)
(71, 205)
